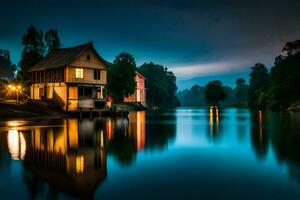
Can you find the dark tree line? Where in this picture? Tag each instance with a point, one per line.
(36, 45)
(7, 68)
(215, 93)
(280, 88)
(160, 84)
(277, 89)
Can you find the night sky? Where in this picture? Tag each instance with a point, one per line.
(218, 39)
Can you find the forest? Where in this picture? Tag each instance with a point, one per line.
(276, 89)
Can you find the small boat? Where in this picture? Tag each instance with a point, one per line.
(116, 111)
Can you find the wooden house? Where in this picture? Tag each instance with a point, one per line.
(70, 157)
(139, 95)
(76, 77)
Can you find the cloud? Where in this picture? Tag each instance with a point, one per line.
(222, 67)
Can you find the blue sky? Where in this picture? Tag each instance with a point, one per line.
(192, 38)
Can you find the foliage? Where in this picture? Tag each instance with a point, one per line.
(241, 91)
(160, 84)
(32, 53)
(230, 99)
(36, 44)
(258, 87)
(284, 81)
(214, 92)
(121, 82)
(7, 69)
(52, 40)
(193, 97)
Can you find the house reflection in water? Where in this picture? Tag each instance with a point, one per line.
(70, 158)
(137, 128)
(133, 128)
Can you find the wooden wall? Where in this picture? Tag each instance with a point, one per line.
(93, 62)
(88, 76)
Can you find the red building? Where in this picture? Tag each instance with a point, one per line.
(139, 95)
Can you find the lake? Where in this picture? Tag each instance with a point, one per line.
(185, 153)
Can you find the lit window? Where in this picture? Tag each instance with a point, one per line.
(79, 164)
(79, 73)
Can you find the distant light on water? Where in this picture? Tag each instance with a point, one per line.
(13, 123)
(16, 144)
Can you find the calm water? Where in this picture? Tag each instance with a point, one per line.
(180, 154)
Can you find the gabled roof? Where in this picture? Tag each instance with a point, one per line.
(63, 56)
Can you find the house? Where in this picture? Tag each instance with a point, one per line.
(62, 157)
(139, 95)
(75, 77)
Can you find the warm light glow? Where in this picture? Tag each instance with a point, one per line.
(79, 164)
(13, 123)
(72, 133)
(140, 135)
(211, 120)
(217, 116)
(79, 73)
(16, 144)
(108, 129)
(102, 139)
(260, 127)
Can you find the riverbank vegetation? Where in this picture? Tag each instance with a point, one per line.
(199, 96)
(277, 88)
(160, 84)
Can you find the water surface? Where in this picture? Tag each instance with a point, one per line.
(179, 154)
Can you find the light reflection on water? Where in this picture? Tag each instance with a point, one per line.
(16, 144)
(185, 153)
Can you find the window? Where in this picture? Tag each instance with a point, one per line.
(85, 92)
(79, 73)
(80, 91)
(88, 57)
(97, 73)
(79, 164)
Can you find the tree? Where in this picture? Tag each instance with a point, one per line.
(291, 48)
(32, 53)
(122, 77)
(214, 93)
(258, 88)
(241, 91)
(7, 69)
(52, 40)
(160, 84)
(284, 81)
(193, 97)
